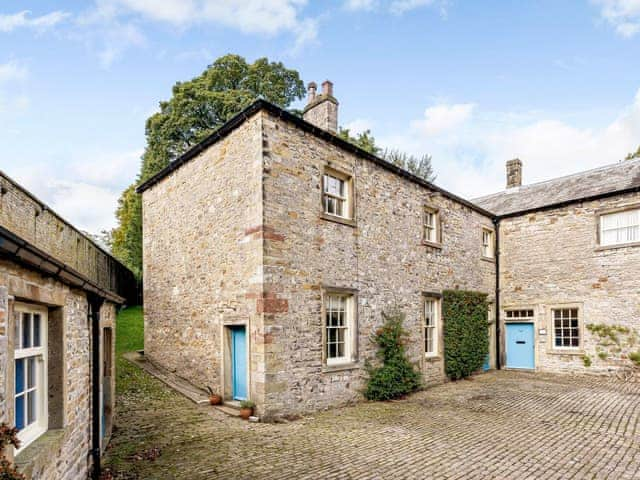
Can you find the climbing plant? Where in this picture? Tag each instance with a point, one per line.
(616, 344)
(8, 436)
(396, 376)
(466, 339)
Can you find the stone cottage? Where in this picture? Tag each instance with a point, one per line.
(58, 297)
(569, 252)
(272, 248)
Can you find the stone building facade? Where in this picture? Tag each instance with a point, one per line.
(569, 251)
(57, 290)
(277, 228)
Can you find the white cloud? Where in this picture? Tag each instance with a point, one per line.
(622, 15)
(440, 118)
(358, 125)
(12, 97)
(86, 193)
(12, 70)
(269, 17)
(469, 158)
(11, 22)
(401, 6)
(354, 5)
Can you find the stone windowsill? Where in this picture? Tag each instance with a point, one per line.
(432, 358)
(566, 351)
(617, 246)
(340, 367)
(343, 221)
(488, 259)
(39, 452)
(427, 243)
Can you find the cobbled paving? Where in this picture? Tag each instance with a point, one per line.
(500, 425)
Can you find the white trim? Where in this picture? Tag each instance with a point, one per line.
(347, 328)
(627, 224)
(31, 432)
(435, 328)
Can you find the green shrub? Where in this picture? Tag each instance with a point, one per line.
(635, 357)
(466, 339)
(247, 404)
(586, 360)
(602, 355)
(396, 376)
(8, 436)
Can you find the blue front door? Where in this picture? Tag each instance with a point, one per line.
(239, 362)
(520, 347)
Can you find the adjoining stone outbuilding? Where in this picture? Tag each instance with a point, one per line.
(272, 249)
(569, 254)
(58, 297)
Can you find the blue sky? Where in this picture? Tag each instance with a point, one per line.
(471, 83)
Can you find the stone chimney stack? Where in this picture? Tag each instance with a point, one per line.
(514, 173)
(322, 109)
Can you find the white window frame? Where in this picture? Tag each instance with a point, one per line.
(431, 225)
(523, 315)
(431, 322)
(488, 243)
(34, 430)
(626, 225)
(347, 328)
(579, 336)
(344, 197)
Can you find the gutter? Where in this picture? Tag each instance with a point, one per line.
(95, 303)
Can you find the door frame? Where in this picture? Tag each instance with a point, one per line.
(227, 363)
(535, 341)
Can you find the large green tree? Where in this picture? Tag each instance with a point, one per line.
(196, 109)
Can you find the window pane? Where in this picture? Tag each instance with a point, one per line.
(331, 353)
(36, 330)
(26, 330)
(31, 407)
(20, 412)
(19, 384)
(31, 372)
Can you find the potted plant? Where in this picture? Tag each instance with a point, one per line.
(214, 398)
(246, 409)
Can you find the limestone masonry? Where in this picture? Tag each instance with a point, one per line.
(272, 250)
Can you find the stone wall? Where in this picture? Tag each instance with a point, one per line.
(203, 260)
(552, 258)
(4, 344)
(25, 216)
(62, 452)
(382, 257)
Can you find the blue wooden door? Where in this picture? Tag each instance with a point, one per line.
(239, 362)
(520, 347)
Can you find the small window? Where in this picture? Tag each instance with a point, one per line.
(338, 326)
(336, 196)
(487, 243)
(524, 314)
(431, 225)
(620, 228)
(30, 369)
(566, 328)
(431, 320)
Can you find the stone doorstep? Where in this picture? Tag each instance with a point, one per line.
(229, 408)
(180, 385)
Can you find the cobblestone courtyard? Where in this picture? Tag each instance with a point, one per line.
(502, 425)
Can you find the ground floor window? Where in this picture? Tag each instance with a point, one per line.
(566, 328)
(431, 320)
(338, 327)
(30, 370)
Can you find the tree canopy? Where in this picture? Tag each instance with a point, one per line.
(633, 155)
(195, 110)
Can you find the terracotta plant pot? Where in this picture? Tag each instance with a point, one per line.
(245, 413)
(215, 399)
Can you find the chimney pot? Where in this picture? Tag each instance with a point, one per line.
(311, 92)
(514, 173)
(327, 88)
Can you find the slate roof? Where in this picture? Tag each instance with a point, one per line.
(618, 178)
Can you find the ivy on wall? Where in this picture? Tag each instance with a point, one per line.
(466, 339)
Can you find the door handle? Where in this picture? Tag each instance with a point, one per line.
(520, 342)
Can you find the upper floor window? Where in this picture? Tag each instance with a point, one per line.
(620, 227)
(487, 243)
(431, 225)
(431, 318)
(30, 367)
(338, 327)
(566, 328)
(336, 195)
